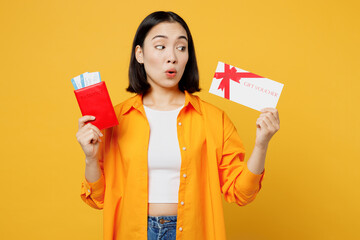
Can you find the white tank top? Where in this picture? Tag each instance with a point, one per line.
(164, 158)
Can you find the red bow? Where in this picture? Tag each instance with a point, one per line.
(233, 75)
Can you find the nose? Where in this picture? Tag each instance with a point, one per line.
(172, 57)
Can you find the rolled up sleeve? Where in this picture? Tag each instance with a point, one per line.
(93, 193)
(238, 184)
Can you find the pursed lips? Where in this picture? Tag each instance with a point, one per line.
(173, 70)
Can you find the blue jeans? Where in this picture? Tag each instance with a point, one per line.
(162, 227)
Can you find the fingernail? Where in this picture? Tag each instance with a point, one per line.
(92, 117)
(101, 134)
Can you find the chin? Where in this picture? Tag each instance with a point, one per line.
(169, 83)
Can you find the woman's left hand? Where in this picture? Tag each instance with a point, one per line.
(267, 125)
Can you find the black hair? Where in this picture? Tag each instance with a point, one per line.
(137, 75)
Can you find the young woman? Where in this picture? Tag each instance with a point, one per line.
(161, 172)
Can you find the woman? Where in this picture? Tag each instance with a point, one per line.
(160, 173)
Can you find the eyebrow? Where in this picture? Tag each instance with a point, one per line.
(163, 36)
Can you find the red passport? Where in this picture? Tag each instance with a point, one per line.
(94, 100)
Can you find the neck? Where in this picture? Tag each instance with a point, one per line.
(165, 99)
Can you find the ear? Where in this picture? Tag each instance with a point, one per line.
(139, 54)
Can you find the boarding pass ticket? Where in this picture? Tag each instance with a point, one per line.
(86, 79)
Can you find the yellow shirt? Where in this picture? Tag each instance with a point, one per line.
(212, 163)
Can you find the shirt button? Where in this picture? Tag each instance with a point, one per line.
(184, 175)
(182, 203)
(184, 148)
(180, 229)
(179, 123)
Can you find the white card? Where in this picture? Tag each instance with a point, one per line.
(245, 88)
(91, 78)
(86, 79)
(76, 81)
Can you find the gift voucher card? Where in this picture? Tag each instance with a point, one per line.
(244, 87)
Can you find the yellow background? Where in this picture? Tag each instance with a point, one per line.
(311, 185)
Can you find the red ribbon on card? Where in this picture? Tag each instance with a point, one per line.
(231, 73)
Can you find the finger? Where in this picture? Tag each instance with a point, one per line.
(93, 127)
(268, 109)
(273, 111)
(84, 119)
(269, 125)
(271, 118)
(262, 124)
(90, 137)
(88, 128)
(259, 122)
(269, 122)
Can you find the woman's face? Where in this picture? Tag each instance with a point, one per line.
(164, 55)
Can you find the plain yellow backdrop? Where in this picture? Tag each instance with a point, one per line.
(311, 185)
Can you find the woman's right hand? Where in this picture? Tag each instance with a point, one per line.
(88, 136)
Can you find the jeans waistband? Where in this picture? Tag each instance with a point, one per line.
(162, 221)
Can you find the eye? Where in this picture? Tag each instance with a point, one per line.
(182, 48)
(159, 47)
